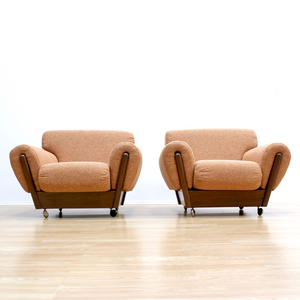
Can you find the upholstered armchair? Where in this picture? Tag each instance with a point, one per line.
(222, 168)
(78, 169)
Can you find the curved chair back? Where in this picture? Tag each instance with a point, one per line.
(83, 145)
(216, 143)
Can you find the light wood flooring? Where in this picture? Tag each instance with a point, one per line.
(150, 252)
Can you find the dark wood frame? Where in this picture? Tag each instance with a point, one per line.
(110, 199)
(191, 198)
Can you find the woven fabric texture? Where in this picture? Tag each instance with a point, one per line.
(133, 168)
(219, 144)
(168, 166)
(227, 175)
(75, 177)
(36, 157)
(84, 145)
(264, 156)
(215, 143)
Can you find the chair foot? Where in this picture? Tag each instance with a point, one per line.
(45, 213)
(260, 211)
(241, 212)
(113, 212)
(193, 212)
(60, 213)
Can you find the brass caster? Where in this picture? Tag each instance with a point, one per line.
(45, 213)
(193, 212)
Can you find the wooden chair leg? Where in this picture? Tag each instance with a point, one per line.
(178, 197)
(123, 197)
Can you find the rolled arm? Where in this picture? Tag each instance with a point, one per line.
(168, 166)
(134, 165)
(264, 156)
(36, 157)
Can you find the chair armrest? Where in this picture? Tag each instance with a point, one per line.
(168, 166)
(133, 168)
(36, 157)
(264, 156)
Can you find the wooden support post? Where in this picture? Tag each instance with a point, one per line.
(29, 180)
(272, 178)
(121, 179)
(182, 179)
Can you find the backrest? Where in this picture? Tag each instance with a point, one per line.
(215, 143)
(83, 145)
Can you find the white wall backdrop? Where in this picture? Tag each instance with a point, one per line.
(148, 67)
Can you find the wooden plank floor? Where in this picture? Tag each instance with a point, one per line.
(150, 252)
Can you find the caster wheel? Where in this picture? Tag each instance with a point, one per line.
(260, 211)
(45, 213)
(113, 212)
(185, 209)
(193, 212)
(241, 212)
(60, 213)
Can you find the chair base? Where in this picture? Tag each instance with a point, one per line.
(239, 199)
(78, 200)
(222, 198)
(75, 200)
(191, 198)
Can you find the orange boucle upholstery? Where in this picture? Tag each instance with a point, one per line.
(79, 169)
(227, 175)
(75, 177)
(103, 147)
(36, 158)
(215, 143)
(133, 168)
(222, 168)
(84, 145)
(218, 144)
(264, 156)
(168, 165)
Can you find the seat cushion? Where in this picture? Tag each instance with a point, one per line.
(227, 175)
(75, 177)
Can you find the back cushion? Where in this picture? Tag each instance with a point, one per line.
(83, 145)
(216, 143)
